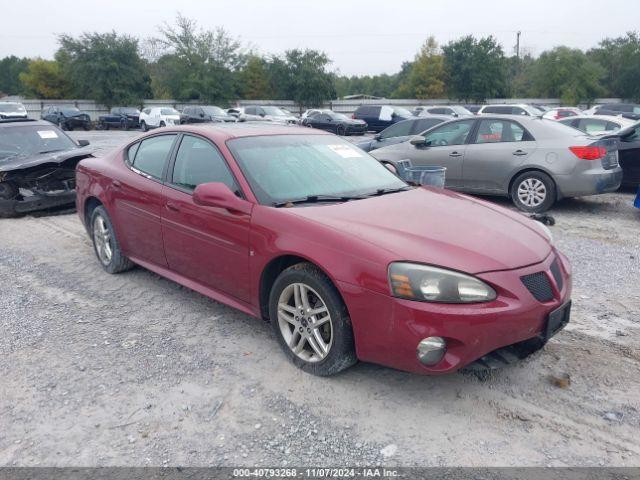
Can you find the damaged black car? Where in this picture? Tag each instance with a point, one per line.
(37, 166)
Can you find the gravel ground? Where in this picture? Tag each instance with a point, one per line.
(133, 369)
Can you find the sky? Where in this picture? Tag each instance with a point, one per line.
(361, 37)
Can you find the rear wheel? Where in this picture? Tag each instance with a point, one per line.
(124, 125)
(311, 321)
(533, 192)
(341, 130)
(105, 243)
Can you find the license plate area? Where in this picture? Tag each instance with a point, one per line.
(557, 320)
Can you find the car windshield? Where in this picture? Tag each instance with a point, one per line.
(214, 111)
(169, 111)
(273, 111)
(402, 112)
(11, 107)
(27, 140)
(289, 167)
(460, 110)
(69, 110)
(130, 110)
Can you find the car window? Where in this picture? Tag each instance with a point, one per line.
(198, 161)
(146, 111)
(612, 126)
(131, 153)
(589, 125)
(636, 109)
(399, 129)
(152, 155)
(439, 110)
(454, 133)
(494, 131)
(423, 124)
(518, 111)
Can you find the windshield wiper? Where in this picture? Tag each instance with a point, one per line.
(384, 191)
(317, 199)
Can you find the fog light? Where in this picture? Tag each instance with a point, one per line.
(431, 350)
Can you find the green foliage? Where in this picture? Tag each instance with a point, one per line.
(567, 74)
(302, 76)
(620, 58)
(45, 79)
(197, 64)
(253, 79)
(105, 67)
(10, 70)
(426, 78)
(476, 69)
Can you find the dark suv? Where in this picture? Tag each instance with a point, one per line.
(205, 114)
(627, 110)
(379, 117)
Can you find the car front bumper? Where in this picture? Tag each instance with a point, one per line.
(390, 335)
(37, 201)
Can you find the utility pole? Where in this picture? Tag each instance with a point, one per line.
(518, 45)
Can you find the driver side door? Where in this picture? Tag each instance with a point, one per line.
(446, 147)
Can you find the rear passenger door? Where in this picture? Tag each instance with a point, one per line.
(497, 150)
(136, 194)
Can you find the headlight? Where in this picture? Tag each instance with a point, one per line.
(413, 281)
(545, 231)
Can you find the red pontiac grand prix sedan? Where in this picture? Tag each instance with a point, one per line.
(347, 262)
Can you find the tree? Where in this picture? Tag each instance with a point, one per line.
(253, 79)
(10, 70)
(476, 69)
(197, 64)
(44, 79)
(620, 58)
(105, 67)
(426, 78)
(568, 74)
(302, 76)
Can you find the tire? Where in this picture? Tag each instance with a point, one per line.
(62, 125)
(101, 224)
(8, 191)
(124, 125)
(86, 127)
(341, 130)
(143, 126)
(162, 124)
(527, 188)
(335, 330)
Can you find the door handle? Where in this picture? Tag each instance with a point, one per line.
(172, 206)
(520, 153)
(116, 184)
(455, 154)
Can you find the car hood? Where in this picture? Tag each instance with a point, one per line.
(19, 163)
(438, 227)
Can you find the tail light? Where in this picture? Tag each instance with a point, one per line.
(353, 116)
(590, 152)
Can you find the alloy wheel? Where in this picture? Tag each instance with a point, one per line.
(305, 322)
(532, 192)
(102, 239)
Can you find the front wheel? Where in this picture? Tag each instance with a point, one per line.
(105, 243)
(162, 124)
(143, 126)
(341, 130)
(533, 192)
(311, 321)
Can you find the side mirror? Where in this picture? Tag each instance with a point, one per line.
(378, 136)
(83, 143)
(220, 196)
(418, 141)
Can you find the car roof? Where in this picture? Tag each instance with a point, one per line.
(605, 118)
(226, 131)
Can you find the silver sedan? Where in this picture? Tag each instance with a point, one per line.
(532, 160)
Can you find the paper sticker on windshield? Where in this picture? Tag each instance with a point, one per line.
(345, 151)
(46, 134)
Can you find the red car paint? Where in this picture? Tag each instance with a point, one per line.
(223, 254)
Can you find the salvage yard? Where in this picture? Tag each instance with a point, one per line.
(133, 369)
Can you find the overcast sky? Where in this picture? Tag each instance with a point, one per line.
(361, 37)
